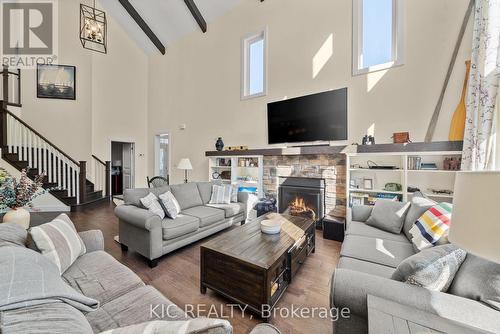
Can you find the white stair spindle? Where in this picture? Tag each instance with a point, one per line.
(64, 165)
(48, 161)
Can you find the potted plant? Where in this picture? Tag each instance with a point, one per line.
(16, 196)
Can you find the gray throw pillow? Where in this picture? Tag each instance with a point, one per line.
(221, 194)
(433, 268)
(478, 279)
(12, 235)
(170, 205)
(419, 205)
(388, 215)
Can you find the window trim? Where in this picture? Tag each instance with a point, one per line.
(398, 33)
(246, 41)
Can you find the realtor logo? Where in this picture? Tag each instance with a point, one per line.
(28, 32)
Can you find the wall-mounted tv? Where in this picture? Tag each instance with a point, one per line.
(317, 117)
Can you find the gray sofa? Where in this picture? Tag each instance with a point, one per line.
(368, 258)
(124, 300)
(147, 234)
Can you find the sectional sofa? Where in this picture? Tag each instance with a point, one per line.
(369, 257)
(152, 237)
(124, 301)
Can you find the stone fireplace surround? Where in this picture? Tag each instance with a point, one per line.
(330, 167)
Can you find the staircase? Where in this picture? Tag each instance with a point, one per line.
(70, 181)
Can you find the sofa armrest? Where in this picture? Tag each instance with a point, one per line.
(351, 288)
(265, 329)
(138, 217)
(93, 240)
(361, 213)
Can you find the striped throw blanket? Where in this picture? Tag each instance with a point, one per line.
(432, 226)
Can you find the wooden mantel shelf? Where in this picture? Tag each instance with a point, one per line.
(304, 150)
(313, 150)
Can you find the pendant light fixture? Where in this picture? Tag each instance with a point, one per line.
(93, 28)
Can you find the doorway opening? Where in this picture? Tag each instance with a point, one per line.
(162, 155)
(122, 166)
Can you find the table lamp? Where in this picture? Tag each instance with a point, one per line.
(475, 223)
(185, 165)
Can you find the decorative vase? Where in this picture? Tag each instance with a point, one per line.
(219, 144)
(19, 216)
(457, 127)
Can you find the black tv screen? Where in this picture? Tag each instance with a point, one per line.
(317, 117)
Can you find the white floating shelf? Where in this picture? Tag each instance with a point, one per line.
(432, 171)
(375, 170)
(374, 191)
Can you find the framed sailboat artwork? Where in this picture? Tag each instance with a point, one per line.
(56, 82)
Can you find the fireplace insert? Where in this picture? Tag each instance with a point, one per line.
(304, 197)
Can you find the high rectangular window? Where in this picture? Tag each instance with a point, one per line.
(378, 35)
(254, 65)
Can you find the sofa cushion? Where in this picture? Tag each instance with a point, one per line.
(386, 252)
(365, 267)
(187, 194)
(181, 225)
(96, 274)
(137, 306)
(433, 268)
(358, 228)
(12, 235)
(419, 205)
(54, 318)
(193, 326)
(59, 241)
(432, 227)
(230, 210)
(478, 279)
(205, 189)
(388, 215)
(207, 215)
(133, 196)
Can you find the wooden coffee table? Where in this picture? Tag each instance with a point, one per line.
(252, 268)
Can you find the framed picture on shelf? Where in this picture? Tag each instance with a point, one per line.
(368, 184)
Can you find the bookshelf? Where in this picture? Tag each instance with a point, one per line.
(366, 185)
(245, 170)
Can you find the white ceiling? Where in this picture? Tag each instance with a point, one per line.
(169, 19)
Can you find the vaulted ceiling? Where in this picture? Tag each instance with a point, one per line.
(169, 20)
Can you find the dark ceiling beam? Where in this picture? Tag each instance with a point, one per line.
(143, 25)
(196, 14)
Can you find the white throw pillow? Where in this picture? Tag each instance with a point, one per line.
(170, 205)
(221, 194)
(59, 242)
(152, 204)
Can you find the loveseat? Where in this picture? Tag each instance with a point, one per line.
(368, 258)
(152, 237)
(123, 301)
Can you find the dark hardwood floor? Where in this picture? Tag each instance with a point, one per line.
(178, 277)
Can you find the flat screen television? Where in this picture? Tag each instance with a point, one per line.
(317, 117)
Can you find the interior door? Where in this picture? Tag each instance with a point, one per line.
(128, 165)
(162, 155)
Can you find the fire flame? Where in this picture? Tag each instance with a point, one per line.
(298, 207)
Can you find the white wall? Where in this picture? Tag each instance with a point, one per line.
(111, 95)
(66, 123)
(119, 105)
(198, 81)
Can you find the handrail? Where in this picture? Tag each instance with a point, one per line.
(41, 136)
(99, 160)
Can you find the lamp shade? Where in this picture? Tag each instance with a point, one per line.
(185, 164)
(475, 224)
